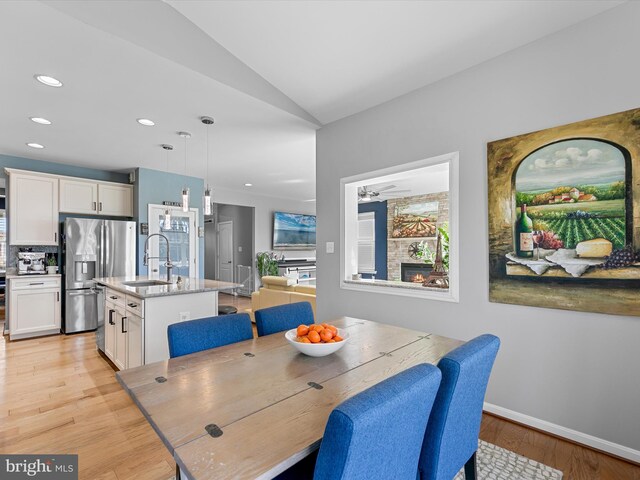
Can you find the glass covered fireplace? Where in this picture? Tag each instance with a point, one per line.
(415, 272)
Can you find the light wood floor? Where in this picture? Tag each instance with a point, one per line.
(58, 395)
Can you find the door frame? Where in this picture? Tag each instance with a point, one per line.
(194, 242)
(233, 276)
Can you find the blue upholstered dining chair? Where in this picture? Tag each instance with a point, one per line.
(283, 317)
(205, 333)
(451, 439)
(376, 434)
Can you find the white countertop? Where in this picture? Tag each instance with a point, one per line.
(189, 285)
(45, 275)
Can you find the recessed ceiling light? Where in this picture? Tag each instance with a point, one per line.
(35, 145)
(248, 184)
(40, 120)
(49, 81)
(146, 122)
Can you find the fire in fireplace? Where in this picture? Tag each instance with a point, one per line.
(414, 272)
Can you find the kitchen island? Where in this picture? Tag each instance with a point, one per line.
(138, 310)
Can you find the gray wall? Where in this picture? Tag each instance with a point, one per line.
(576, 370)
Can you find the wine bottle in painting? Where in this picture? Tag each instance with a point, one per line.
(524, 234)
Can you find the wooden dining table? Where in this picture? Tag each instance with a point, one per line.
(252, 409)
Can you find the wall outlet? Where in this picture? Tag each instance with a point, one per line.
(330, 247)
(184, 316)
(240, 249)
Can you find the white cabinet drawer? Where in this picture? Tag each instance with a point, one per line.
(115, 297)
(135, 305)
(35, 282)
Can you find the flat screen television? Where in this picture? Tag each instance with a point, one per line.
(294, 231)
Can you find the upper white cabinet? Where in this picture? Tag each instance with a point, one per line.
(33, 209)
(95, 198)
(115, 199)
(78, 196)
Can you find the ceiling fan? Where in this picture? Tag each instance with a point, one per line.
(366, 193)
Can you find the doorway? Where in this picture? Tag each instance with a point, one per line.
(229, 237)
(183, 241)
(225, 251)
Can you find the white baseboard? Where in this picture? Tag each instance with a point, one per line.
(574, 435)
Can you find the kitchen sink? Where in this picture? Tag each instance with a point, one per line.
(146, 283)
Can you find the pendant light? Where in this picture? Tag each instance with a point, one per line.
(207, 191)
(167, 212)
(185, 189)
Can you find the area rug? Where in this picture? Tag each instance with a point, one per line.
(497, 463)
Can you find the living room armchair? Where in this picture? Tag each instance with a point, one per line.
(280, 291)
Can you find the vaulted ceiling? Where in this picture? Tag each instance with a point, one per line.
(269, 72)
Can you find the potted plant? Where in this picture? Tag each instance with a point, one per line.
(266, 263)
(52, 265)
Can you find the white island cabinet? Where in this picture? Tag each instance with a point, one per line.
(136, 319)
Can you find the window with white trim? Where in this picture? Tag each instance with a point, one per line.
(367, 243)
(418, 203)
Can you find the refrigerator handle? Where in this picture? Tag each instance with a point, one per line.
(101, 263)
(106, 248)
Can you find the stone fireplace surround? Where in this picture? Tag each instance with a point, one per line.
(398, 248)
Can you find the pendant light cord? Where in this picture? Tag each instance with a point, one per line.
(207, 155)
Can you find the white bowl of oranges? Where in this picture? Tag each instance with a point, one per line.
(317, 339)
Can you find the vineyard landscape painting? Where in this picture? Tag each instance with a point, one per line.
(575, 191)
(579, 187)
(415, 220)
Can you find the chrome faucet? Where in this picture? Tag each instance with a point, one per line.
(146, 259)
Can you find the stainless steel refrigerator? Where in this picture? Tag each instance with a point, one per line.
(94, 248)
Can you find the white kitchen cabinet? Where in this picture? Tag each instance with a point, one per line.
(95, 198)
(124, 329)
(78, 196)
(135, 338)
(115, 199)
(34, 306)
(120, 355)
(110, 330)
(33, 208)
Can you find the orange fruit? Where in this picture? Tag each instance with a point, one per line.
(302, 330)
(316, 327)
(338, 338)
(333, 329)
(314, 337)
(331, 341)
(326, 335)
(304, 340)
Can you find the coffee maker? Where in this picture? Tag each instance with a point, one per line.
(31, 263)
